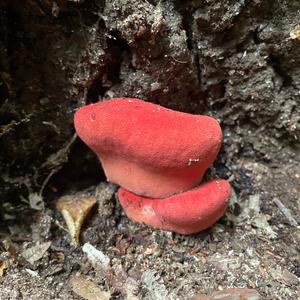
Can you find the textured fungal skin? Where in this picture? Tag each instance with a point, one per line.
(148, 149)
(184, 213)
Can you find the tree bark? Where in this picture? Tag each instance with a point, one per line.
(234, 60)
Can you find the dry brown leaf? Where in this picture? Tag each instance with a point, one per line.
(295, 33)
(58, 257)
(36, 252)
(3, 267)
(10, 247)
(87, 289)
(74, 210)
(289, 278)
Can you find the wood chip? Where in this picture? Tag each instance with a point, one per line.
(286, 212)
(74, 210)
(231, 294)
(87, 289)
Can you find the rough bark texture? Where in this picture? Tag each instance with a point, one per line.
(232, 59)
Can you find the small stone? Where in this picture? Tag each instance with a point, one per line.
(96, 256)
(224, 263)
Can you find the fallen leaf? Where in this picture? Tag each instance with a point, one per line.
(252, 215)
(36, 252)
(87, 289)
(10, 247)
(231, 294)
(74, 210)
(58, 257)
(289, 278)
(295, 33)
(3, 267)
(55, 265)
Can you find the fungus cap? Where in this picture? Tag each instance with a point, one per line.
(146, 148)
(184, 213)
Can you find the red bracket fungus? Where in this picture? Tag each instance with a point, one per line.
(148, 149)
(185, 213)
(157, 156)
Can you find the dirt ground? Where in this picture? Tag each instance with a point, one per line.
(255, 245)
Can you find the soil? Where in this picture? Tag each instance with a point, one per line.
(238, 61)
(146, 263)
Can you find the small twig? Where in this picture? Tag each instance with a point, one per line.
(179, 61)
(286, 212)
(56, 161)
(274, 255)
